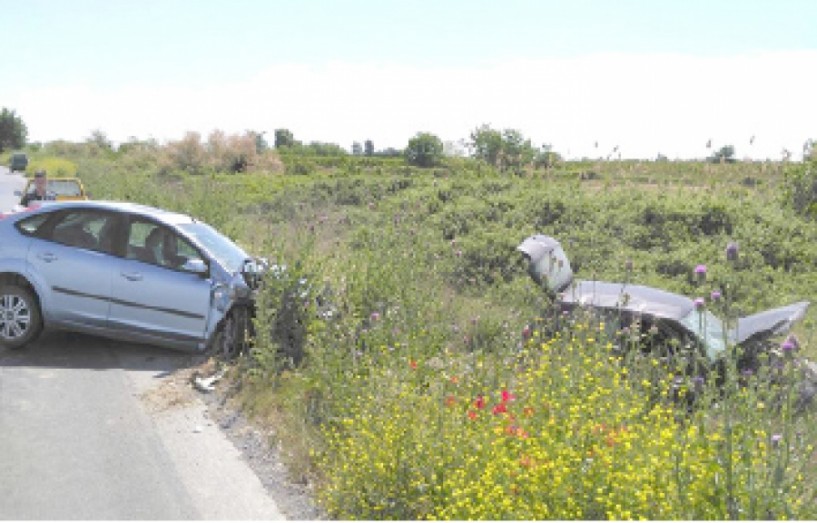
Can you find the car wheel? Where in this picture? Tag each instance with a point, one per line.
(232, 340)
(20, 318)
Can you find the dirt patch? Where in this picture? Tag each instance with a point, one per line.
(173, 392)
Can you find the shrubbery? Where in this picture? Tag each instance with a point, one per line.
(55, 167)
(431, 390)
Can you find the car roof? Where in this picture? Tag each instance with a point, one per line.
(628, 297)
(161, 215)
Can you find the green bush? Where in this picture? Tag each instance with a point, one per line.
(55, 167)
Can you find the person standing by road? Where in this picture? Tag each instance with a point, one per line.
(40, 191)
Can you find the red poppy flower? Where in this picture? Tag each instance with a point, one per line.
(507, 396)
(479, 403)
(499, 409)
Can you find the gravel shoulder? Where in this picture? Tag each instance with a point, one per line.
(197, 412)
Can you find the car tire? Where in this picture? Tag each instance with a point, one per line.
(20, 317)
(232, 339)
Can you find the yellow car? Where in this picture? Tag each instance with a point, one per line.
(59, 189)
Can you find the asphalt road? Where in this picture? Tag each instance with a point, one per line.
(98, 429)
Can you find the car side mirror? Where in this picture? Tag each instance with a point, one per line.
(196, 266)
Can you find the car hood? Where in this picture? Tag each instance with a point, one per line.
(628, 297)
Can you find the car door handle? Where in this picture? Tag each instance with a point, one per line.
(132, 276)
(47, 257)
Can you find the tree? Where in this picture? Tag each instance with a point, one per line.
(13, 132)
(424, 150)
(486, 144)
(100, 139)
(517, 151)
(725, 154)
(368, 148)
(546, 158)
(261, 144)
(284, 138)
(506, 150)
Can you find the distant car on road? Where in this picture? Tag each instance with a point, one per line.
(60, 188)
(123, 271)
(18, 162)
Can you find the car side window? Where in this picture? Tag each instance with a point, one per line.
(85, 229)
(156, 244)
(30, 225)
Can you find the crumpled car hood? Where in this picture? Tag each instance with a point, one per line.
(628, 297)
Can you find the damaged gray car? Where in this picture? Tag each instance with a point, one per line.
(670, 317)
(127, 272)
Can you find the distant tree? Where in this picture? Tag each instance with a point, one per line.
(546, 158)
(725, 154)
(261, 144)
(517, 151)
(810, 150)
(368, 147)
(486, 144)
(506, 150)
(13, 132)
(357, 149)
(284, 138)
(424, 150)
(100, 139)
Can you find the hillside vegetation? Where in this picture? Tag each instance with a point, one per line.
(406, 364)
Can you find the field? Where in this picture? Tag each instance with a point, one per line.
(406, 360)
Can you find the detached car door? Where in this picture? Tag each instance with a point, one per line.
(71, 255)
(153, 298)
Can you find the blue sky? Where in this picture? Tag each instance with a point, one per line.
(647, 76)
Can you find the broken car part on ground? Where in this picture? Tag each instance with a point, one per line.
(670, 316)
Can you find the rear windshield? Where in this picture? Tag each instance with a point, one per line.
(65, 188)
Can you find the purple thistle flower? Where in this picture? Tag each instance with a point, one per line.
(732, 251)
(716, 295)
(789, 344)
(375, 316)
(776, 439)
(700, 303)
(700, 273)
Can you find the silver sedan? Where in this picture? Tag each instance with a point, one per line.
(123, 271)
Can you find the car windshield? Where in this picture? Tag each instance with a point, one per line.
(709, 329)
(70, 188)
(227, 253)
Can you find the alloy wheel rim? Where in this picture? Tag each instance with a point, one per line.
(15, 317)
